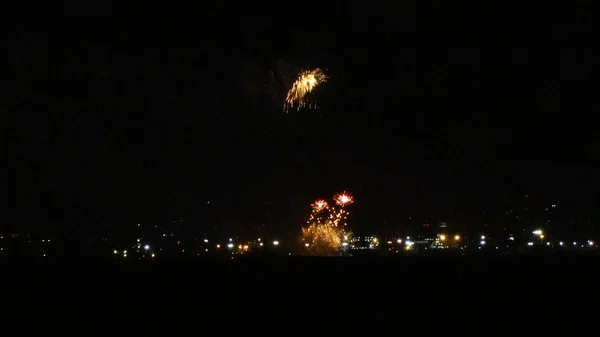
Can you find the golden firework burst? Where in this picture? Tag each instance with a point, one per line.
(298, 95)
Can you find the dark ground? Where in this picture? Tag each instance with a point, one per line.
(300, 296)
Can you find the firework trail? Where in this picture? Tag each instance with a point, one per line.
(299, 95)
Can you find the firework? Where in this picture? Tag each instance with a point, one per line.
(343, 199)
(325, 230)
(323, 239)
(319, 205)
(298, 95)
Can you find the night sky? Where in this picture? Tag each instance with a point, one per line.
(112, 122)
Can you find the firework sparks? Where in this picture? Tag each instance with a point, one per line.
(325, 231)
(298, 95)
(319, 205)
(323, 239)
(343, 199)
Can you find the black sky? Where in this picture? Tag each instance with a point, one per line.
(113, 122)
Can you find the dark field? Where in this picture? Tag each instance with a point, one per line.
(305, 296)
